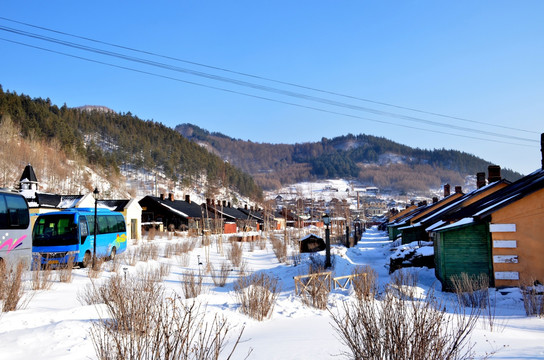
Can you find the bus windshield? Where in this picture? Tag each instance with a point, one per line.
(54, 230)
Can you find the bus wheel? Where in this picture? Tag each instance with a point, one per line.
(86, 260)
(113, 253)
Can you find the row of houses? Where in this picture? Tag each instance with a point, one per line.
(496, 229)
(164, 212)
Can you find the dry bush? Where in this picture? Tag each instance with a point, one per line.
(220, 275)
(12, 285)
(151, 233)
(177, 249)
(280, 249)
(150, 334)
(192, 284)
(96, 270)
(164, 270)
(183, 260)
(42, 276)
(533, 301)
(235, 253)
(115, 263)
(131, 256)
(365, 282)
(397, 328)
(471, 290)
(257, 294)
(64, 271)
(169, 250)
(404, 283)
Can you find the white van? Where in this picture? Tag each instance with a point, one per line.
(15, 228)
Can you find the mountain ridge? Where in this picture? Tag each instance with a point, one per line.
(369, 159)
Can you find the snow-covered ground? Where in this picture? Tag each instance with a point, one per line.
(55, 325)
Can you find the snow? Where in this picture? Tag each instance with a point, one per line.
(55, 325)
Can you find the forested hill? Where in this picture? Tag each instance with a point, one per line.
(111, 140)
(372, 160)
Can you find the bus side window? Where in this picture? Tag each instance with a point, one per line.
(102, 225)
(121, 226)
(83, 230)
(90, 224)
(17, 211)
(3, 213)
(112, 224)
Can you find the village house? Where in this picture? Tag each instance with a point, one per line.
(498, 235)
(169, 213)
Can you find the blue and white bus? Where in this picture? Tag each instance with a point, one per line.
(15, 229)
(68, 235)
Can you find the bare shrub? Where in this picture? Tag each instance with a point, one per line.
(164, 270)
(115, 263)
(280, 249)
(404, 283)
(152, 336)
(235, 253)
(131, 256)
(183, 259)
(397, 328)
(533, 301)
(12, 286)
(365, 282)
(177, 248)
(257, 294)
(151, 233)
(42, 276)
(192, 284)
(220, 276)
(471, 290)
(169, 250)
(96, 270)
(64, 271)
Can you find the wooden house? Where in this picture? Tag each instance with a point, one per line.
(171, 213)
(498, 235)
(311, 243)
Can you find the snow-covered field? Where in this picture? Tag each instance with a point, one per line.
(55, 325)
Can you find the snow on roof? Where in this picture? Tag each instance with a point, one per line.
(175, 210)
(461, 222)
(309, 236)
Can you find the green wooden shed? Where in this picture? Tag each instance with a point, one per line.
(463, 247)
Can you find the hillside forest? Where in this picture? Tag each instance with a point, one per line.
(371, 160)
(111, 141)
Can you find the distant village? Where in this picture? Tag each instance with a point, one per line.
(495, 229)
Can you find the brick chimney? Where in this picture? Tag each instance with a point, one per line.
(171, 197)
(493, 173)
(480, 180)
(228, 204)
(446, 190)
(224, 203)
(435, 200)
(458, 189)
(161, 196)
(188, 198)
(245, 206)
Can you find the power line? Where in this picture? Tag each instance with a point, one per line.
(258, 86)
(271, 80)
(257, 96)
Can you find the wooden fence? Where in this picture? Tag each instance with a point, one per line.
(318, 281)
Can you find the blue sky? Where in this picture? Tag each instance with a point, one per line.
(478, 62)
